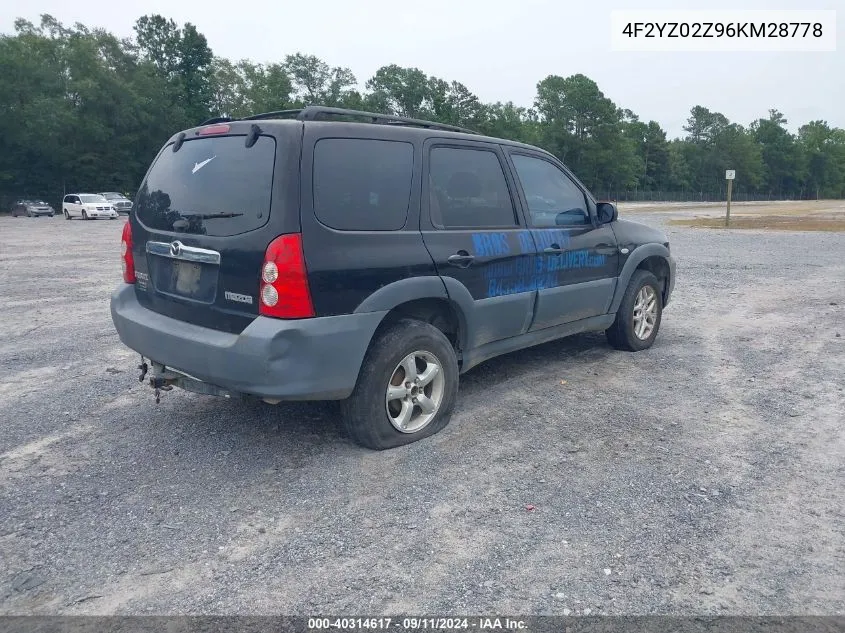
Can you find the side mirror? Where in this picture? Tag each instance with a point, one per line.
(606, 212)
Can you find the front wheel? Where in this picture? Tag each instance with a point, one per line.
(406, 389)
(84, 215)
(638, 318)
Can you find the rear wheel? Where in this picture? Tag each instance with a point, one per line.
(406, 389)
(638, 318)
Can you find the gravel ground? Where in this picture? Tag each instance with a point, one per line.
(704, 475)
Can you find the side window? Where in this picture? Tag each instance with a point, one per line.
(553, 199)
(362, 184)
(468, 189)
(68, 199)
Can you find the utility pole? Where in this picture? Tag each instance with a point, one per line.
(730, 174)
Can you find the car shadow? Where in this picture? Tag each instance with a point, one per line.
(520, 363)
(309, 425)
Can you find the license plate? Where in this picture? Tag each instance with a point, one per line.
(187, 277)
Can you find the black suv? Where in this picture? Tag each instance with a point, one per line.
(327, 254)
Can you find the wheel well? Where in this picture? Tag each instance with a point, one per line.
(440, 313)
(657, 266)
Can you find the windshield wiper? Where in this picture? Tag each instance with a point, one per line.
(212, 216)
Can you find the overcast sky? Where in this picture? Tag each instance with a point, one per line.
(500, 50)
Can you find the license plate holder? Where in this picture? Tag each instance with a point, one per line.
(186, 277)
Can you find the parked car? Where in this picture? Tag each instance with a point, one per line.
(32, 208)
(120, 202)
(289, 257)
(88, 206)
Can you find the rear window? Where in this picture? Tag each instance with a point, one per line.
(361, 184)
(211, 186)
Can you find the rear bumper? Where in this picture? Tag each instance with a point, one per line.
(308, 359)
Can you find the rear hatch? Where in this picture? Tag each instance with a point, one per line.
(204, 216)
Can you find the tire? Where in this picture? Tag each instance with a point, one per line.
(50, 215)
(367, 414)
(84, 215)
(624, 334)
(67, 215)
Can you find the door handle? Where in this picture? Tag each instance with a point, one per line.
(461, 259)
(554, 248)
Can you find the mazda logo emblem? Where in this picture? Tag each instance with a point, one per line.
(175, 248)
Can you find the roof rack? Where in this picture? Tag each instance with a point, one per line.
(317, 113)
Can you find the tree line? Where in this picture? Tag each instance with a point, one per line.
(81, 109)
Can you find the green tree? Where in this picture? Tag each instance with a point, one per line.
(82, 109)
(652, 151)
(245, 88)
(159, 40)
(453, 103)
(401, 91)
(782, 156)
(584, 128)
(734, 148)
(824, 150)
(184, 59)
(505, 120)
(194, 70)
(315, 83)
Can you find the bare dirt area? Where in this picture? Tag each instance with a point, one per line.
(769, 222)
(702, 476)
(824, 208)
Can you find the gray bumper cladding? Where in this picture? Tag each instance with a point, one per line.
(671, 288)
(307, 359)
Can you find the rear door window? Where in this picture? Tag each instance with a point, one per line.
(362, 184)
(210, 186)
(469, 190)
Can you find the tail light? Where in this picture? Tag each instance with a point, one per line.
(126, 258)
(213, 129)
(284, 280)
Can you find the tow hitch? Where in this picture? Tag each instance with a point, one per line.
(164, 379)
(159, 384)
(161, 379)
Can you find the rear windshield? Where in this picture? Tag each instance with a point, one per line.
(211, 186)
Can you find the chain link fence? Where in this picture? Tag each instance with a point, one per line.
(693, 196)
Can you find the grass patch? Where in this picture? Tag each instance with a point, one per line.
(768, 222)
